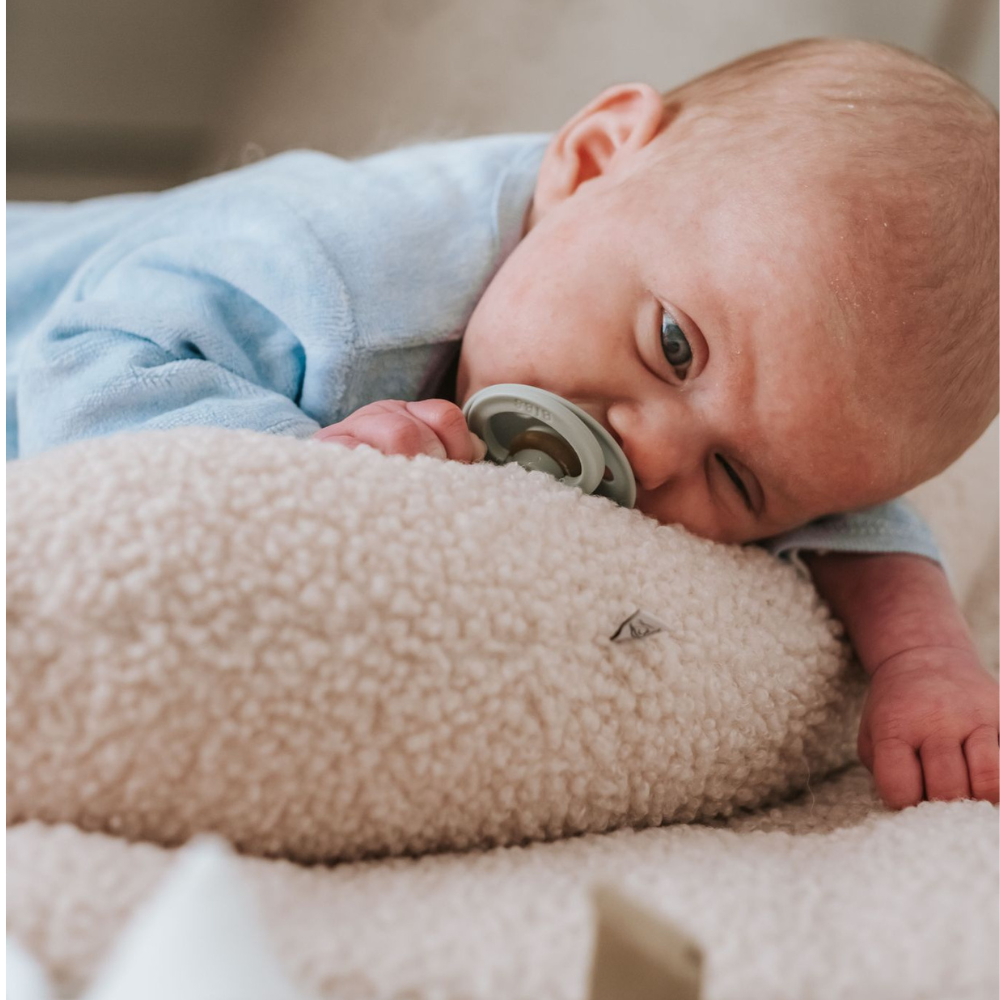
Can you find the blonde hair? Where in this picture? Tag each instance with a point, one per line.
(911, 154)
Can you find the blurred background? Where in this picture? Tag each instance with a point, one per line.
(126, 95)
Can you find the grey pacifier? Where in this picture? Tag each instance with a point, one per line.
(541, 431)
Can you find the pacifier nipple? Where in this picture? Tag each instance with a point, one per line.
(543, 452)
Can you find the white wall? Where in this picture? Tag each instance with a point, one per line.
(112, 95)
(356, 76)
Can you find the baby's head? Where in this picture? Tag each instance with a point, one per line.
(776, 285)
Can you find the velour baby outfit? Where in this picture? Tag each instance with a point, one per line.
(281, 297)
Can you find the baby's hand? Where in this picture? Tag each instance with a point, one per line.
(428, 427)
(929, 728)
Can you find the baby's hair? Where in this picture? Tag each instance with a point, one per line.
(910, 152)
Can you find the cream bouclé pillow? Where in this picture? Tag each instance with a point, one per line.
(326, 654)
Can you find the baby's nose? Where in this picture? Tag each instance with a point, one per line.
(658, 453)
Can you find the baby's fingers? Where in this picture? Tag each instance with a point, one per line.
(945, 775)
(865, 744)
(897, 773)
(447, 421)
(336, 434)
(983, 759)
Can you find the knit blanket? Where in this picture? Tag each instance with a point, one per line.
(326, 655)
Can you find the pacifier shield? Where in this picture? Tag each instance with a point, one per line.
(540, 430)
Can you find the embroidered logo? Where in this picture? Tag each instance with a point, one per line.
(638, 626)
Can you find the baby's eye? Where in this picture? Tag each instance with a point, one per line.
(676, 348)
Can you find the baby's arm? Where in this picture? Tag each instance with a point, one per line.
(185, 318)
(930, 722)
(102, 381)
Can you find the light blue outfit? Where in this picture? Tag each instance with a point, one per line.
(281, 297)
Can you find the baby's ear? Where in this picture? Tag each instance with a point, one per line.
(598, 140)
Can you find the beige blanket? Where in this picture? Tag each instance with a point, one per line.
(745, 696)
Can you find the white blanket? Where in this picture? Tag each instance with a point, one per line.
(827, 896)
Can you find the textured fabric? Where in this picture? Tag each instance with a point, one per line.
(278, 297)
(829, 897)
(281, 297)
(888, 527)
(388, 659)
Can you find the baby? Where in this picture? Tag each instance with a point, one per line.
(743, 280)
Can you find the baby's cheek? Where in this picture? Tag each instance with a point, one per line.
(694, 516)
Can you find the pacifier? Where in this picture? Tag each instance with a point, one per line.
(541, 431)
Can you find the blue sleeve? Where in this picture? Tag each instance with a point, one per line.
(188, 322)
(91, 380)
(888, 527)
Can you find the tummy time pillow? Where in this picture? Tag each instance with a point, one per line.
(326, 654)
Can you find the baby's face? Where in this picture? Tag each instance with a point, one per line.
(693, 315)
